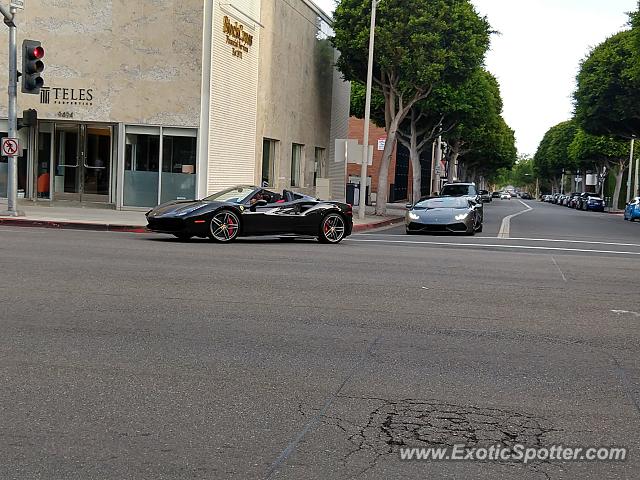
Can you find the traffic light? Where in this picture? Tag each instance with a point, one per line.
(32, 66)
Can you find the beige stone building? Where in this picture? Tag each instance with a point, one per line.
(149, 101)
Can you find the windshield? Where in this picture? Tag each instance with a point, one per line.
(450, 202)
(234, 194)
(458, 190)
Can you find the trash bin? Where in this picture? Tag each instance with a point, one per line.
(351, 188)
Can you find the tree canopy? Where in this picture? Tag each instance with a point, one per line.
(606, 98)
(419, 45)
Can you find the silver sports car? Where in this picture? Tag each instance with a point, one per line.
(444, 214)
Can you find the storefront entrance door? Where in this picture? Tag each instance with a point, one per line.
(82, 162)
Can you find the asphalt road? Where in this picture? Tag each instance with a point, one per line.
(127, 356)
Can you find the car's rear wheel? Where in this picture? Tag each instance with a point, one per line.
(332, 228)
(224, 226)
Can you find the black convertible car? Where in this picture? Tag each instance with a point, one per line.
(244, 211)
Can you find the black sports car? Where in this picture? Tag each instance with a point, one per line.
(243, 211)
(445, 214)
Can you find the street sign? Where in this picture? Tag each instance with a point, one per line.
(17, 4)
(10, 147)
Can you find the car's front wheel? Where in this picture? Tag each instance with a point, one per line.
(224, 226)
(332, 228)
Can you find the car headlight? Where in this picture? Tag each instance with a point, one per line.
(413, 216)
(462, 216)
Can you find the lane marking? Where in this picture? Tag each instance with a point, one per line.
(488, 245)
(477, 237)
(558, 267)
(506, 221)
(625, 312)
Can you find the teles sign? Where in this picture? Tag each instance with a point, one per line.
(237, 37)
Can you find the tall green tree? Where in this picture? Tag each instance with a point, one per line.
(606, 98)
(603, 153)
(552, 156)
(419, 45)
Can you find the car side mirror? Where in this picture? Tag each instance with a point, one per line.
(258, 203)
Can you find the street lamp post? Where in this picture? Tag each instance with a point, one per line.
(367, 116)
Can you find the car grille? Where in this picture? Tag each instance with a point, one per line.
(451, 227)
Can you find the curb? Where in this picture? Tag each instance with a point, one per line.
(100, 227)
(370, 226)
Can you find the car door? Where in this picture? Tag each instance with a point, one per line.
(257, 214)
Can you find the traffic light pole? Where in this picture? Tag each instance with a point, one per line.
(12, 177)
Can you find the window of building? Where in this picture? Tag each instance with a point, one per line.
(159, 165)
(179, 153)
(268, 162)
(141, 166)
(296, 164)
(319, 166)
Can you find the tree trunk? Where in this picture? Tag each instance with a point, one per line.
(453, 161)
(383, 174)
(416, 168)
(616, 191)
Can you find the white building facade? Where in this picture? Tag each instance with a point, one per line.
(157, 100)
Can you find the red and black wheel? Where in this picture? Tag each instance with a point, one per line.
(332, 228)
(224, 227)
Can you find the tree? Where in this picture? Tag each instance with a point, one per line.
(604, 153)
(552, 156)
(419, 44)
(606, 97)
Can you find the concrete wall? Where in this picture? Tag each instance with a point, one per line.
(139, 61)
(295, 88)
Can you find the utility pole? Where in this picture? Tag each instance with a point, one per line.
(636, 186)
(367, 117)
(633, 139)
(12, 180)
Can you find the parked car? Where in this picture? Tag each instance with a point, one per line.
(632, 210)
(573, 200)
(485, 196)
(495, 195)
(594, 203)
(445, 214)
(505, 196)
(250, 211)
(526, 196)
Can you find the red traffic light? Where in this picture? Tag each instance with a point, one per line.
(37, 53)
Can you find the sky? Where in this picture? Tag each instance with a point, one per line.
(537, 54)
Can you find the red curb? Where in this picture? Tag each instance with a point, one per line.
(369, 226)
(101, 227)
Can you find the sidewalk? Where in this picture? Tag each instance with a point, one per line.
(134, 221)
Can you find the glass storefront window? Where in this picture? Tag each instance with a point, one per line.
(43, 179)
(178, 167)
(142, 161)
(296, 164)
(268, 162)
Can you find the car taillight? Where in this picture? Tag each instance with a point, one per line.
(349, 209)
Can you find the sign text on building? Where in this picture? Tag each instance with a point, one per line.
(237, 37)
(66, 96)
